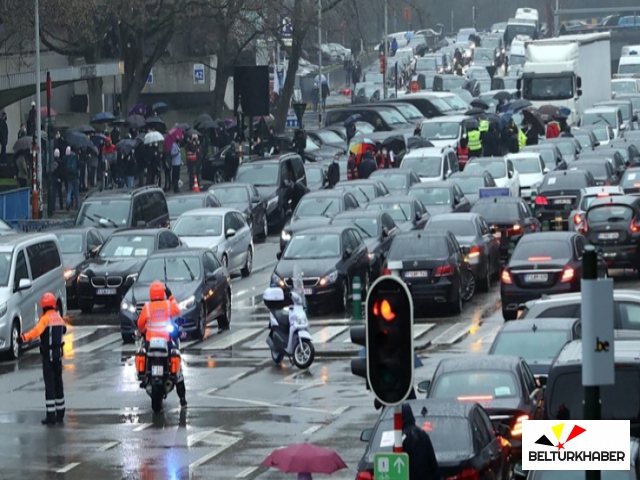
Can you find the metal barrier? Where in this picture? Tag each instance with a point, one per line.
(33, 226)
(15, 204)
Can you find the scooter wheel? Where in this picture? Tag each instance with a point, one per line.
(303, 354)
(277, 357)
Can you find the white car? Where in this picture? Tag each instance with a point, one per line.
(431, 164)
(502, 170)
(611, 116)
(531, 169)
(588, 195)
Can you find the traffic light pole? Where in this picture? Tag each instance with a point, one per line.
(397, 429)
(386, 48)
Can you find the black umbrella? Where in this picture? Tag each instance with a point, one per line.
(493, 118)
(103, 117)
(519, 105)
(205, 117)
(418, 142)
(126, 146)
(136, 121)
(160, 107)
(182, 126)
(139, 140)
(78, 140)
(157, 123)
(503, 95)
(352, 119)
(477, 103)
(470, 124)
(475, 111)
(192, 131)
(85, 129)
(23, 143)
(118, 121)
(533, 118)
(395, 143)
(208, 125)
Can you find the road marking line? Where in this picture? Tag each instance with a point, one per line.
(246, 472)
(214, 453)
(66, 468)
(226, 341)
(198, 437)
(267, 404)
(107, 446)
(317, 383)
(312, 429)
(341, 410)
(452, 334)
(97, 345)
(142, 426)
(421, 329)
(327, 334)
(238, 376)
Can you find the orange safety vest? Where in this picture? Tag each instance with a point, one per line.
(155, 318)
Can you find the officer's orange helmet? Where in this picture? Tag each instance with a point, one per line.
(156, 291)
(48, 300)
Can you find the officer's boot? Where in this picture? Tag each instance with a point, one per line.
(50, 419)
(182, 393)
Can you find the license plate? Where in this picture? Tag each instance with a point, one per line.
(308, 291)
(609, 236)
(105, 291)
(536, 277)
(417, 274)
(157, 370)
(562, 201)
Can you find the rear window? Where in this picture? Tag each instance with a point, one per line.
(497, 212)
(497, 168)
(559, 182)
(411, 248)
(469, 185)
(610, 214)
(431, 196)
(460, 228)
(541, 251)
(596, 169)
(533, 346)
(475, 386)
(631, 179)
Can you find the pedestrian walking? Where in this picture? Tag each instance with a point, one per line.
(130, 169)
(153, 164)
(92, 161)
(31, 120)
(176, 164)
(491, 146)
(367, 165)
(231, 162)
(50, 329)
(72, 173)
(417, 444)
(192, 158)
(325, 94)
(352, 167)
(474, 142)
(58, 177)
(22, 172)
(385, 159)
(333, 172)
(4, 137)
(82, 168)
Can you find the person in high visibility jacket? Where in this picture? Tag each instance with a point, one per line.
(463, 152)
(156, 321)
(51, 329)
(483, 126)
(474, 143)
(522, 139)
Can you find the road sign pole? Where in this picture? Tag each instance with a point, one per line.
(397, 429)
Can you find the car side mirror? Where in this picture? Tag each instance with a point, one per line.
(597, 144)
(366, 434)
(418, 217)
(210, 277)
(93, 252)
(456, 200)
(634, 118)
(347, 253)
(423, 387)
(503, 430)
(279, 255)
(510, 174)
(519, 84)
(25, 284)
(385, 232)
(255, 199)
(448, 174)
(545, 170)
(623, 127)
(579, 82)
(541, 381)
(579, 92)
(230, 233)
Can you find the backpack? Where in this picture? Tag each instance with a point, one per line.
(71, 164)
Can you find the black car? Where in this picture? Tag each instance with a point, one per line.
(440, 197)
(317, 208)
(612, 224)
(538, 341)
(628, 151)
(471, 181)
(603, 172)
(559, 194)
(407, 212)
(313, 151)
(76, 246)
(503, 385)
(178, 204)
(326, 136)
(317, 176)
(364, 190)
(587, 139)
(377, 228)
(569, 147)
(542, 264)
(396, 181)
(389, 117)
(509, 217)
(104, 278)
(630, 181)
(197, 280)
(245, 198)
(433, 266)
(614, 157)
(329, 257)
(463, 438)
(476, 240)
(551, 154)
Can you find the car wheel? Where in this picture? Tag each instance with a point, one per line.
(485, 284)
(202, 322)
(265, 228)
(248, 266)
(456, 303)
(85, 307)
(469, 289)
(509, 315)
(218, 176)
(14, 342)
(224, 320)
(344, 297)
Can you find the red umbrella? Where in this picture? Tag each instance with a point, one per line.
(306, 458)
(43, 112)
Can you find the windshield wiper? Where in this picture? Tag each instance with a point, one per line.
(165, 269)
(188, 269)
(325, 210)
(106, 219)
(84, 215)
(362, 230)
(599, 115)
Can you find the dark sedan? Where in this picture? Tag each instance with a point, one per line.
(178, 204)
(244, 198)
(330, 257)
(476, 240)
(542, 264)
(76, 246)
(317, 176)
(198, 281)
(615, 158)
(326, 136)
(628, 151)
(630, 181)
(396, 181)
(104, 278)
(377, 229)
(559, 194)
(364, 190)
(408, 212)
(503, 385)
(441, 197)
(470, 182)
(603, 172)
(463, 439)
(313, 152)
(587, 139)
(433, 266)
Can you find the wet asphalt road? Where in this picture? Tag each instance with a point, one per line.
(241, 406)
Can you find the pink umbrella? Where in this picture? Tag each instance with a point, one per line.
(177, 133)
(305, 458)
(43, 112)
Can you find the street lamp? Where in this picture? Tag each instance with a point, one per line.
(320, 60)
(36, 193)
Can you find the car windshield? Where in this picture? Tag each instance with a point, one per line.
(566, 147)
(368, 226)
(440, 104)
(629, 68)
(428, 63)
(5, 268)
(429, 167)
(610, 214)
(70, 242)
(497, 212)
(516, 60)
(484, 54)
(400, 212)
(409, 112)
(605, 117)
(598, 170)
(418, 248)
(312, 246)
(391, 117)
(260, 174)
(631, 178)
(548, 88)
(179, 205)
(363, 193)
(527, 165)
(575, 475)
(314, 175)
(476, 385)
(392, 181)
(601, 133)
(451, 82)
(199, 226)
(455, 102)
(460, 228)
(532, 345)
(328, 136)
(542, 251)
(469, 185)
(104, 213)
(317, 207)
(635, 101)
(440, 130)
(588, 200)
(492, 42)
(512, 30)
(562, 181)
(584, 139)
(432, 196)
(546, 153)
(496, 168)
(120, 246)
(624, 87)
(170, 269)
(230, 195)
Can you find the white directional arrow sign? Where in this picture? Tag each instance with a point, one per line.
(399, 462)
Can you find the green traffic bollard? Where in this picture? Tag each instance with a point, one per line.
(357, 299)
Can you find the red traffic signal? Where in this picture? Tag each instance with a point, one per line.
(384, 309)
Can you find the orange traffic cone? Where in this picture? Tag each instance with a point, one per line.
(196, 187)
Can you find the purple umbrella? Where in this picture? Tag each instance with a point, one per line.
(305, 458)
(138, 109)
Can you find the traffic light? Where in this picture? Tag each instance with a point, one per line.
(359, 364)
(389, 332)
(383, 64)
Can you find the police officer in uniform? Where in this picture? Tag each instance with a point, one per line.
(51, 329)
(474, 143)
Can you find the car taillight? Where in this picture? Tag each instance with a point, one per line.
(516, 228)
(607, 184)
(466, 474)
(634, 226)
(506, 277)
(516, 431)
(577, 219)
(386, 271)
(365, 476)
(541, 200)
(475, 251)
(567, 274)
(444, 271)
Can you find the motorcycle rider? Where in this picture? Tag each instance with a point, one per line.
(155, 321)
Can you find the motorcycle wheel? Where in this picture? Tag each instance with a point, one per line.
(277, 357)
(303, 354)
(157, 396)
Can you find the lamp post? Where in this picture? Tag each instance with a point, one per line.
(386, 47)
(320, 61)
(36, 194)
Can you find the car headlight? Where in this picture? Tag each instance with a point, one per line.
(82, 278)
(3, 309)
(285, 236)
(371, 255)
(127, 307)
(68, 273)
(272, 203)
(276, 281)
(187, 303)
(328, 279)
(131, 278)
(214, 249)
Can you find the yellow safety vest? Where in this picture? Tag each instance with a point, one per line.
(484, 126)
(522, 139)
(474, 142)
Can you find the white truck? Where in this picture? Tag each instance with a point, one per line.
(572, 71)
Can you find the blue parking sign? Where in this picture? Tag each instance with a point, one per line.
(198, 74)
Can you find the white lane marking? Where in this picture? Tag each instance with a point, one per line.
(225, 341)
(98, 344)
(312, 429)
(214, 453)
(317, 383)
(267, 404)
(238, 376)
(452, 334)
(107, 446)
(142, 426)
(66, 468)
(327, 334)
(198, 437)
(341, 410)
(246, 472)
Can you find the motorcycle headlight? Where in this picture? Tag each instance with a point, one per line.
(68, 273)
(328, 279)
(286, 236)
(272, 203)
(127, 307)
(187, 303)
(131, 278)
(276, 281)
(82, 278)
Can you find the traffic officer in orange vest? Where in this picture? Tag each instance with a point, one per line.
(51, 329)
(154, 321)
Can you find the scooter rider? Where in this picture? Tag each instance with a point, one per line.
(155, 319)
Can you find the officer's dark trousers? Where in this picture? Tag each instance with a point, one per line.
(53, 388)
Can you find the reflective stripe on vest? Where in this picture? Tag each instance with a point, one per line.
(522, 139)
(158, 320)
(474, 142)
(484, 126)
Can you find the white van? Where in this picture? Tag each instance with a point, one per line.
(30, 265)
(630, 64)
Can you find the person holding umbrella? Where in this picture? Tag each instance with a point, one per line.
(22, 172)
(72, 173)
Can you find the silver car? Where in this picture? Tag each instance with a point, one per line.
(588, 195)
(223, 230)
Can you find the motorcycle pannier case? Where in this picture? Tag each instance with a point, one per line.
(273, 298)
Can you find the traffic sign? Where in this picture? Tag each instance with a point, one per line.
(391, 466)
